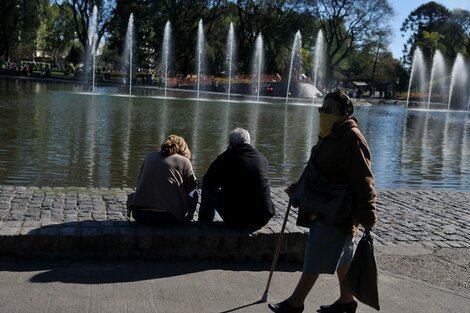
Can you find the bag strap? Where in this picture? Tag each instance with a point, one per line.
(313, 154)
(367, 236)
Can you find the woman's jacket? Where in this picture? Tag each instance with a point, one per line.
(344, 159)
(164, 184)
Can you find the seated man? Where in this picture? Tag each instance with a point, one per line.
(237, 185)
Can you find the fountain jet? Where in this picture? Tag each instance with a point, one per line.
(200, 54)
(166, 53)
(295, 60)
(319, 60)
(438, 72)
(417, 69)
(92, 47)
(129, 48)
(230, 57)
(459, 81)
(258, 61)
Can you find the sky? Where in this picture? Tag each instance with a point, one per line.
(403, 8)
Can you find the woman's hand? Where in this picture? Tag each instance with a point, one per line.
(290, 190)
(368, 227)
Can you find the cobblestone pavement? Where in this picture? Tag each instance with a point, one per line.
(423, 217)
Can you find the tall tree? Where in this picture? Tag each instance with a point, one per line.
(458, 33)
(19, 21)
(426, 19)
(150, 18)
(146, 14)
(277, 21)
(380, 41)
(9, 20)
(55, 33)
(348, 23)
(184, 16)
(432, 26)
(79, 13)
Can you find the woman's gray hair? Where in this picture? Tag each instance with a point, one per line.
(238, 136)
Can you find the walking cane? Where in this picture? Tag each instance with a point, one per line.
(264, 298)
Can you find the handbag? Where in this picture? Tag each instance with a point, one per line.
(329, 201)
(361, 279)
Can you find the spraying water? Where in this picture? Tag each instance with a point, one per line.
(458, 81)
(319, 59)
(295, 57)
(417, 69)
(437, 73)
(166, 52)
(92, 46)
(468, 104)
(230, 56)
(258, 61)
(200, 54)
(129, 47)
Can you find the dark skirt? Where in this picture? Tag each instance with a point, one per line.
(328, 248)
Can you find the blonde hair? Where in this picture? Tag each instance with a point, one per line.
(175, 144)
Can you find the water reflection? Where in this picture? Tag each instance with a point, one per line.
(51, 136)
(434, 150)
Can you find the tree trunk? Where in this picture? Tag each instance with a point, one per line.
(372, 79)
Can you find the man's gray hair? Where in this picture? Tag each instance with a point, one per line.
(238, 136)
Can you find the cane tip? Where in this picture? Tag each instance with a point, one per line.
(264, 298)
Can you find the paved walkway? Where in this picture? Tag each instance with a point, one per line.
(71, 222)
(191, 287)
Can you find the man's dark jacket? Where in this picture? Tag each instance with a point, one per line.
(241, 175)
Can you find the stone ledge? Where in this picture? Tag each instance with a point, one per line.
(37, 222)
(130, 240)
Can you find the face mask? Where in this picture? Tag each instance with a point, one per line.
(326, 123)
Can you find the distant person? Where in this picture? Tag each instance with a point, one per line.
(236, 185)
(337, 187)
(165, 194)
(25, 69)
(358, 94)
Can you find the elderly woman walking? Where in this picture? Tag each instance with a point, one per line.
(334, 194)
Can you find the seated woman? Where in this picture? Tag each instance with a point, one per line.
(165, 194)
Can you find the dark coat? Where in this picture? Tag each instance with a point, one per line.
(344, 158)
(241, 175)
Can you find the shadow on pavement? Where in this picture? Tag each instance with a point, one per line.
(244, 306)
(104, 272)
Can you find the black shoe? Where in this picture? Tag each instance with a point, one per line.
(285, 307)
(339, 307)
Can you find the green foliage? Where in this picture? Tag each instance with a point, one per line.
(75, 54)
(79, 13)
(347, 25)
(55, 34)
(150, 18)
(351, 28)
(277, 21)
(9, 22)
(432, 26)
(19, 21)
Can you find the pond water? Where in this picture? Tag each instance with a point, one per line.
(51, 135)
